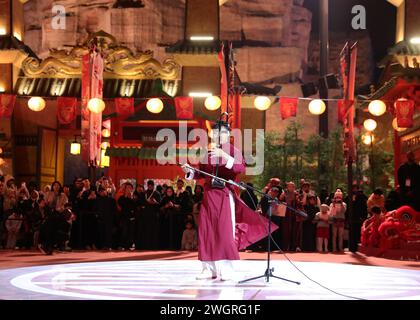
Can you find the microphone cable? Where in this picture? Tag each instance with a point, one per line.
(290, 261)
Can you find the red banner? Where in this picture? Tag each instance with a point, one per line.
(288, 107)
(404, 110)
(224, 80)
(343, 107)
(348, 61)
(7, 103)
(184, 107)
(66, 109)
(235, 106)
(92, 84)
(124, 106)
(341, 111)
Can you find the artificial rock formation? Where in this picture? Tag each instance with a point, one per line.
(274, 34)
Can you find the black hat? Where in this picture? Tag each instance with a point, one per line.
(221, 124)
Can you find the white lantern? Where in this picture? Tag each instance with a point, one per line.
(105, 145)
(104, 159)
(368, 139)
(96, 105)
(75, 148)
(262, 103)
(36, 104)
(106, 133)
(154, 105)
(370, 125)
(395, 126)
(317, 107)
(377, 108)
(212, 103)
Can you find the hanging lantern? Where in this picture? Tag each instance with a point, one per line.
(106, 133)
(395, 126)
(75, 147)
(104, 159)
(105, 145)
(36, 104)
(2, 162)
(368, 139)
(370, 125)
(377, 108)
(1, 150)
(212, 103)
(96, 105)
(317, 107)
(404, 111)
(262, 103)
(154, 105)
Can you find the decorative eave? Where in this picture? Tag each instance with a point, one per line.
(196, 53)
(119, 62)
(143, 153)
(14, 51)
(400, 52)
(395, 88)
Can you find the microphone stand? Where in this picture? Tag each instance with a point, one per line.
(269, 271)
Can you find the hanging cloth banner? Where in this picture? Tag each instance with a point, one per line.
(404, 110)
(66, 109)
(124, 106)
(341, 111)
(7, 104)
(184, 107)
(288, 107)
(343, 107)
(92, 84)
(235, 108)
(224, 80)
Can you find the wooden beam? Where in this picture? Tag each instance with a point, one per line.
(396, 3)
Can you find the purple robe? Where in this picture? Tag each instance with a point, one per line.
(215, 236)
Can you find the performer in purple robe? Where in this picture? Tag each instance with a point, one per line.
(226, 223)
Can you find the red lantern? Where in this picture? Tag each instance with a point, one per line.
(404, 110)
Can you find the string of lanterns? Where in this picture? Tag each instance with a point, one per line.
(262, 103)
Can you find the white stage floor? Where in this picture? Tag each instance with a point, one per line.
(175, 279)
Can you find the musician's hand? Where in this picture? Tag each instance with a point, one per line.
(186, 168)
(217, 152)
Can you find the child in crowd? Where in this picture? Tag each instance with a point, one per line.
(13, 224)
(322, 220)
(189, 237)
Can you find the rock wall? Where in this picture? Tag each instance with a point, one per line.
(274, 33)
(365, 60)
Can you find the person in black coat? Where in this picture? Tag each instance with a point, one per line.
(169, 211)
(150, 218)
(128, 207)
(409, 182)
(248, 196)
(106, 207)
(308, 227)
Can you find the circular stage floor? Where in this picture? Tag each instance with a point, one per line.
(175, 279)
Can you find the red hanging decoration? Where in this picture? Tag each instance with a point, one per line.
(184, 107)
(404, 110)
(124, 106)
(288, 107)
(66, 109)
(7, 103)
